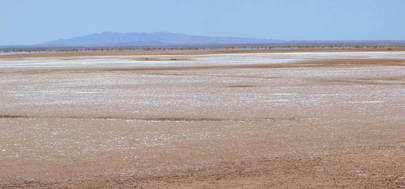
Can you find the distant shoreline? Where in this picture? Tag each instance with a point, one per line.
(185, 51)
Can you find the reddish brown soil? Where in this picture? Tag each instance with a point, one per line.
(335, 123)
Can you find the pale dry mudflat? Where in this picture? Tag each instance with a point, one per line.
(254, 120)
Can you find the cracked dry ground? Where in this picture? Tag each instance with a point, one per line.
(325, 123)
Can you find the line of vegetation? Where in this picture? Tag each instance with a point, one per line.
(200, 48)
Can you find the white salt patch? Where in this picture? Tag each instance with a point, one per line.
(85, 92)
(280, 100)
(218, 59)
(326, 95)
(366, 102)
(284, 94)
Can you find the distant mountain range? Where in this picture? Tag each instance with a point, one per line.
(166, 39)
(135, 39)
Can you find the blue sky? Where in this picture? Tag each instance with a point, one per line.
(35, 21)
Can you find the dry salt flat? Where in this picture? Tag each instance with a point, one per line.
(191, 121)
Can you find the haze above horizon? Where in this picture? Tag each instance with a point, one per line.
(25, 22)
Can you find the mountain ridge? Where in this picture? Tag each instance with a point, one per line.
(151, 39)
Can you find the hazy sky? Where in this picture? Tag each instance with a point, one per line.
(34, 21)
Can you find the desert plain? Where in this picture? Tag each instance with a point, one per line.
(313, 119)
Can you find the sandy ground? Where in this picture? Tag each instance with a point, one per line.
(248, 120)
